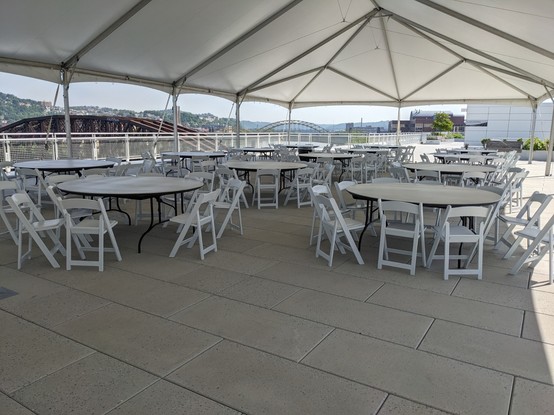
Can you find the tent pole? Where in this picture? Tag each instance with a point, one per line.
(532, 133)
(237, 116)
(288, 125)
(176, 120)
(65, 81)
(398, 127)
(550, 145)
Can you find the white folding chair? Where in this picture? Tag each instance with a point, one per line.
(201, 214)
(21, 203)
(541, 242)
(316, 190)
(298, 189)
(79, 231)
(453, 228)
(266, 190)
(529, 214)
(338, 230)
(229, 201)
(401, 220)
(7, 188)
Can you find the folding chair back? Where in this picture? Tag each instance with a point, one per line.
(31, 225)
(202, 213)
(337, 229)
(401, 220)
(79, 230)
(230, 202)
(7, 188)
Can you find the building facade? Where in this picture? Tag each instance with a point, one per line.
(504, 122)
(422, 121)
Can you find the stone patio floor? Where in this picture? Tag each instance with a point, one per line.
(264, 327)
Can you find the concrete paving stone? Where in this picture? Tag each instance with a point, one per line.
(395, 405)
(368, 319)
(295, 255)
(259, 383)
(524, 299)
(151, 343)
(76, 388)
(149, 265)
(29, 352)
(234, 242)
(532, 398)
(209, 279)
(423, 279)
(539, 327)
(321, 280)
(268, 330)
(165, 398)
(51, 310)
(237, 262)
(26, 286)
(509, 354)
(445, 307)
(431, 380)
(260, 292)
(11, 407)
(144, 293)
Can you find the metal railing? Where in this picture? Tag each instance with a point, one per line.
(130, 146)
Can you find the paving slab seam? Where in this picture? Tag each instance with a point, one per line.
(345, 329)
(85, 313)
(168, 317)
(512, 375)
(388, 392)
(425, 334)
(280, 302)
(95, 350)
(418, 402)
(266, 278)
(452, 321)
(502, 305)
(374, 292)
(20, 403)
(52, 373)
(315, 346)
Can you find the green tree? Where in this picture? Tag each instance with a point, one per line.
(442, 122)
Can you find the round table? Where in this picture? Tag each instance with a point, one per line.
(344, 158)
(63, 166)
(191, 154)
(249, 166)
(262, 151)
(444, 158)
(138, 188)
(450, 168)
(428, 195)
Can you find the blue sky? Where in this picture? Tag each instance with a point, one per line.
(137, 98)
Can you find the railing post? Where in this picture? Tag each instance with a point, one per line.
(94, 143)
(127, 149)
(55, 150)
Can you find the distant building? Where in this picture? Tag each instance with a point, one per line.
(506, 122)
(422, 121)
(366, 129)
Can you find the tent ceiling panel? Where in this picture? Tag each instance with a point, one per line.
(51, 31)
(337, 89)
(410, 50)
(466, 82)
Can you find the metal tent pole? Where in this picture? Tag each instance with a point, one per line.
(176, 120)
(288, 125)
(532, 133)
(550, 144)
(237, 116)
(398, 127)
(65, 81)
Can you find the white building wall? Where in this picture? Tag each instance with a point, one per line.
(506, 122)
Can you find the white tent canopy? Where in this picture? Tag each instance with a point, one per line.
(293, 53)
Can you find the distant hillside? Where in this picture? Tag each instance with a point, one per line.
(13, 109)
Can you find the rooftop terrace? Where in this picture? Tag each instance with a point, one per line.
(264, 327)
